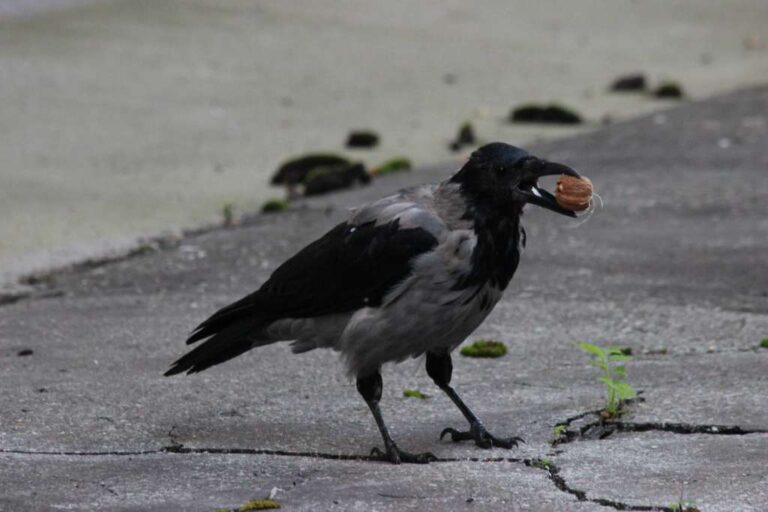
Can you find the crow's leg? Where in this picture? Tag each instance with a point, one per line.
(370, 387)
(440, 368)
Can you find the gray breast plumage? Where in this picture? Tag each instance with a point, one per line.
(424, 312)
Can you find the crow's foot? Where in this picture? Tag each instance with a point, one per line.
(396, 456)
(482, 438)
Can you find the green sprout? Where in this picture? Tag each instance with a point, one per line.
(484, 348)
(558, 432)
(414, 393)
(764, 343)
(617, 390)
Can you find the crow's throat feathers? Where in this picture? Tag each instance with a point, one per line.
(497, 229)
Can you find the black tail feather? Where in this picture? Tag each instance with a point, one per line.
(225, 317)
(229, 342)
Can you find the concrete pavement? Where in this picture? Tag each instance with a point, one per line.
(673, 266)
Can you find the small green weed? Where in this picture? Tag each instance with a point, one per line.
(764, 343)
(557, 433)
(617, 390)
(228, 214)
(484, 348)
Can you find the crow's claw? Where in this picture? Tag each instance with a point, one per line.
(482, 437)
(396, 456)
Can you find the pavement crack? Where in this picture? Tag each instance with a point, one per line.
(74, 453)
(398, 496)
(6, 299)
(553, 472)
(602, 429)
(685, 428)
(179, 448)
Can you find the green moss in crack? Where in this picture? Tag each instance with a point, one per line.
(764, 343)
(414, 393)
(484, 348)
(274, 205)
(544, 464)
(264, 504)
(669, 90)
(392, 165)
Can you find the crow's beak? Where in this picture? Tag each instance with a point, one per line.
(538, 196)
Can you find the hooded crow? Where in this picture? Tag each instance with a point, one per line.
(410, 274)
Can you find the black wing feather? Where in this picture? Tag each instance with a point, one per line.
(346, 269)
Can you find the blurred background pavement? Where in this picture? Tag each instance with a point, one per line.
(132, 118)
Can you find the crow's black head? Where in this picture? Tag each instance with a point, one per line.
(504, 178)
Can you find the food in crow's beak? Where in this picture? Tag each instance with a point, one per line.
(573, 193)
